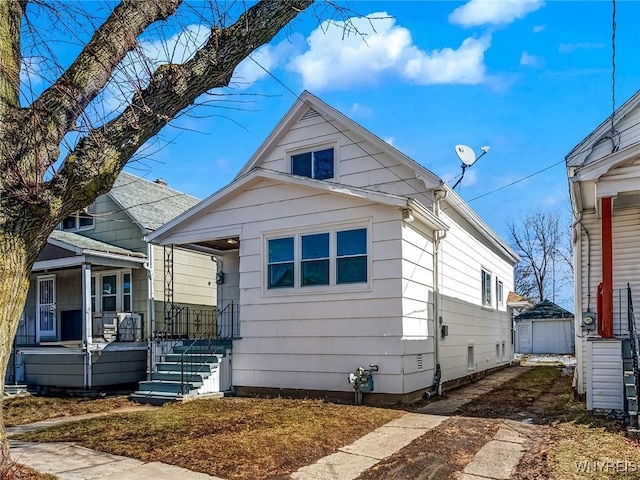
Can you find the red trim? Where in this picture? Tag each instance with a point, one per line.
(607, 268)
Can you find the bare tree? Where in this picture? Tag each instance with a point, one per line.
(61, 146)
(543, 242)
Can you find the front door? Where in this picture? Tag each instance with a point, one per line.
(46, 307)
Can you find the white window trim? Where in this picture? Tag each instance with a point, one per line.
(333, 143)
(488, 305)
(333, 287)
(499, 292)
(471, 365)
(78, 228)
(119, 286)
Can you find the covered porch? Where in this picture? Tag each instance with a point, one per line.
(83, 321)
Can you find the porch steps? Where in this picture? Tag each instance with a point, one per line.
(174, 381)
(630, 388)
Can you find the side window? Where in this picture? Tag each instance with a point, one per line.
(499, 294)
(351, 256)
(82, 220)
(486, 288)
(314, 264)
(281, 263)
(318, 164)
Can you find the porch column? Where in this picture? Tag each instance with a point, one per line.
(607, 267)
(87, 324)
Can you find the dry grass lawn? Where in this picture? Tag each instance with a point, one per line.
(27, 409)
(20, 472)
(235, 438)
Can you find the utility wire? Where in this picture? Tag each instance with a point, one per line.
(367, 153)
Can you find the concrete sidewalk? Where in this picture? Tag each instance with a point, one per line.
(496, 460)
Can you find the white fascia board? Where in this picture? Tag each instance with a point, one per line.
(308, 100)
(460, 206)
(158, 235)
(581, 151)
(116, 256)
(595, 170)
(94, 258)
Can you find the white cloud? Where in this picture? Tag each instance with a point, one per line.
(493, 12)
(390, 141)
(31, 73)
(529, 60)
(361, 111)
(464, 65)
(336, 59)
(539, 28)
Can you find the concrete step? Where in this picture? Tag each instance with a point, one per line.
(188, 367)
(167, 386)
(176, 376)
(193, 357)
(150, 397)
(632, 404)
(221, 349)
(630, 390)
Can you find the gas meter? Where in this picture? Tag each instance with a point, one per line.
(362, 381)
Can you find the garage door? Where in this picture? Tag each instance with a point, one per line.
(553, 336)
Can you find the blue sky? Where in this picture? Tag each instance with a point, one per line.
(528, 78)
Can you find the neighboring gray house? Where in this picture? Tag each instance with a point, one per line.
(545, 328)
(94, 300)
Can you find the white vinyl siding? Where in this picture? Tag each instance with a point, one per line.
(604, 374)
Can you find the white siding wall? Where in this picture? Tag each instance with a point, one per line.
(462, 257)
(626, 251)
(604, 374)
(417, 307)
(312, 338)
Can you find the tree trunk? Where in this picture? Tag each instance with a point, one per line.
(17, 255)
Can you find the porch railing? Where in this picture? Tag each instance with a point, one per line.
(635, 348)
(207, 331)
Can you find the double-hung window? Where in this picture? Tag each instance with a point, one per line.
(351, 256)
(314, 262)
(321, 258)
(499, 293)
(281, 262)
(316, 164)
(111, 291)
(486, 288)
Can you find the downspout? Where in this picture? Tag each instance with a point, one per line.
(438, 236)
(607, 267)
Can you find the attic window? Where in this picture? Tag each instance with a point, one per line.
(82, 220)
(317, 164)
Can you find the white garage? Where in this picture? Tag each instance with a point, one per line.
(545, 328)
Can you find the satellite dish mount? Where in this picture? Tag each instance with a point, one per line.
(468, 157)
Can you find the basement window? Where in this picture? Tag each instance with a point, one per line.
(471, 362)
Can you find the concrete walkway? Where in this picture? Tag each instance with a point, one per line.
(497, 460)
(364, 453)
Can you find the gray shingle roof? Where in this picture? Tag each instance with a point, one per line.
(89, 244)
(149, 204)
(545, 309)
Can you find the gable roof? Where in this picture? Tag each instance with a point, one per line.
(546, 309)
(577, 156)
(305, 102)
(150, 205)
(256, 174)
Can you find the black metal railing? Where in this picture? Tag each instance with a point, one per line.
(635, 342)
(201, 349)
(202, 332)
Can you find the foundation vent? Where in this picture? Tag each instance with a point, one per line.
(419, 361)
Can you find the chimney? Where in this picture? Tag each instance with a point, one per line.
(160, 181)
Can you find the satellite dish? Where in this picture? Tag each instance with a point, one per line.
(466, 155)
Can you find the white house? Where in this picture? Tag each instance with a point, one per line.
(604, 182)
(343, 252)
